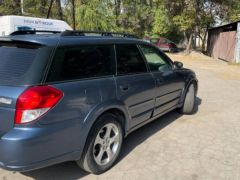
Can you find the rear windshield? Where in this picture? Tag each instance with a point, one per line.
(17, 63)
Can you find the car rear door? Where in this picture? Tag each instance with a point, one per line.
(135, 85)
(169, 84)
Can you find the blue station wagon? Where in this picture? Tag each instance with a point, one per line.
(75, 96)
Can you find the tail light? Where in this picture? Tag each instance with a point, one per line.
(35, 102)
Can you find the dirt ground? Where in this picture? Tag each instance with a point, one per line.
(203, 146)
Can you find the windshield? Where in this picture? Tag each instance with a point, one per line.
(154, 41)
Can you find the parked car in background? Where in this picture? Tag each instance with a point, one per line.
(75, 96)
(164, 44)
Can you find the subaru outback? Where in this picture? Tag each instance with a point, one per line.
(75, 96)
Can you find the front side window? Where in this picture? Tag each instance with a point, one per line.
(129, 60)
(155, 60)
(82, 62)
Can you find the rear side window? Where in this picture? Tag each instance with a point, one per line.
(129, 60)
(82, 62)
(15, 63)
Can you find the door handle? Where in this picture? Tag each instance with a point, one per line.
(124, 87)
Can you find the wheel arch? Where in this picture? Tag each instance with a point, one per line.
(92, 118)
(192, 80)
(117, 108)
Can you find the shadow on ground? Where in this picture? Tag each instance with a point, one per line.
(142, 134)
(70, 170)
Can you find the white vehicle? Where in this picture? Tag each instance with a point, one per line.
(9, 24)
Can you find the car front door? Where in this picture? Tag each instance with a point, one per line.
(135, 84)
(169, 83)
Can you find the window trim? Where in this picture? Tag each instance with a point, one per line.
(79, 80)
(165, 57)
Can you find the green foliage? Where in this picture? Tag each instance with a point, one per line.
(173, 19)
(94, 15)
(185, 21)
(234, 14)
(37, 8)
(10, 7)
(135, 17)
(162, 24)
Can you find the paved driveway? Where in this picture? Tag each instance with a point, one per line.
(201, 146)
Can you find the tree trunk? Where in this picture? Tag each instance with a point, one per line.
(204, 40)
(73, 15)
(185, 39)
(204, 43)
(17, 4)
(189, 45)
(117, 11)
(43, 7)
(59, 9)
(49, 9)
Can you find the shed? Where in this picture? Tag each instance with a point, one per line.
(224, 42)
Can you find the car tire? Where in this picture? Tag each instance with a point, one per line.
(103, 145)
(189, 100)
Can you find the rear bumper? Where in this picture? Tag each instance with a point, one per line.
(42, 164)
(24, 149)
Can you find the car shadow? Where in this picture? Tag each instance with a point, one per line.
(142, 134)
(67, 170)
(70, 170)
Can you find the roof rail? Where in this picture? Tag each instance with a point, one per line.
(99, 33)
(25, 32)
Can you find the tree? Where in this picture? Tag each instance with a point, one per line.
(9, 7)
(136, 16)
(187, 18)
(194, 17)
(58, 10)
(95, 15)
(234, 11)
(162, 24)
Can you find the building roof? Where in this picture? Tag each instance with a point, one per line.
(226, 26)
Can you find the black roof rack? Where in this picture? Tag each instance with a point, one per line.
(25, 32)
(75, 33)
(100, 33)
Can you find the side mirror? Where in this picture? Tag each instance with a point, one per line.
(178, 64)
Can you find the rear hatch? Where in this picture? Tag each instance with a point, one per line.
(22, 64)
